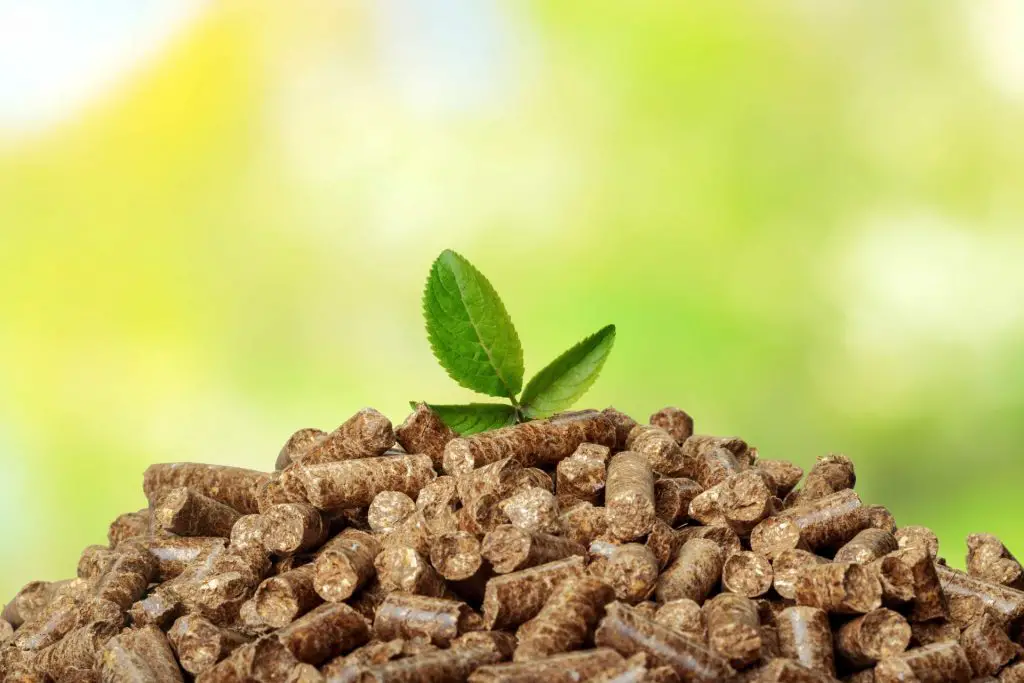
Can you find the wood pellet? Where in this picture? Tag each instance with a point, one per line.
(583, 547)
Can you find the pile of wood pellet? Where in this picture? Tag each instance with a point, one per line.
(585, 547)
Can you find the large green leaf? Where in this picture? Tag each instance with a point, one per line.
(474, 417)
(568, 377)
(469, 329)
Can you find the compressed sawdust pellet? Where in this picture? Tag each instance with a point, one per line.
(734, 628)
(629, 496)
(672, 498)
(388, 509)
(510, 548)
(430, 577)
(568, 617)
(424, 432)
(533, 509)
(365, 434)
(805, 636)
(630, 569)
(693, 574)
(676, 422)
(988, 559)
(403, 615)
(877, 635)
(747, 573)
(627, 633)
(938, 663)
(987, 645)
(186, 512)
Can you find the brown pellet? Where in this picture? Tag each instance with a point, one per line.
(30, 601)
(629, 496)
(746, 499)
(94, 561)
(326, 631)
(425, 432)
(74, 657)
(291, 528)
(533, 510)
(582, 475)
(623, 425)
(693, 574)
(877, 635)
(541, 442)
(501, 643)
(355, 483)
(831, 473)
(510, 549)
(867, 546)
(139, 656)
(388, 509)
(630, 569)
(879, 517)
(174, 553)
(159, 608)
(130, 525)
(663, 542)
(672, 498)
(839, 588)
(234, 486)
(511, 599)
(936, 663)
(200, 644)
(806, 637)
(676, 422)
(569, 667)
(437, 503)
(714, 466)
(1014, 673)
(453, 665)
(404, 569)
(412, 532)
(915, 536)
(988, 559)
(987, 645)
(683, 616)
(783, 670)
(297, 444)
(785, 474)
(734, 629)
(705, 508)
(64, 614)
(929, 600)
(185, 512)
(128, 577)
(534, 477)
(282, 598)
(723, 536)
(628, 634)
(456, 555)
(747, 573)
(403, 615)
(821, 524)
(364, 435)
(897, 579)
(567, 619)
(661, 451)
(584, 522)
(963, 591)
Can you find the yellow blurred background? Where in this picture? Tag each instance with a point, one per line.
(216, 219)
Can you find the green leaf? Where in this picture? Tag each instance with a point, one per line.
(475, 417)
(469, 329)
(568, 377)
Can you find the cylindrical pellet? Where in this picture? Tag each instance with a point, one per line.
(73, 658)
(629, 496)
(628, 634)
(292, 528)
(877, 635)
(806, 637)
(567, 619)
(916, 536)
(364, 435)
(457, 555)
(160, 608)
(929, 599)
(570, 667)
(511, 599)
(747, 573)
(867, 546)
(734, 630)
(173, 553)
(897, 579)
(663, 542)
(1006, 602)
(746, 499)
(683, 616)
(425, 432)
(584, 522)
(138, 656)
(131, 525)
(510, 549)
(128, 577)
(928, 632)
(297, 444)
(694, 573)
(282, 598)
(723, 536)
(388, 509)
(200, 644)
(234, 486)
(988, 559)
(839, 588)
(623, 425)
(326, 631)
(661, 451)
(403, 615)
(533, 510)
(936, 663)
(453, 665)
(987, 645)
(672, 498)
(185, 512)
(785, 474)
(355, 483)
(825, 523)
(831, 473)
(879, 517)
(583, 474)
(676, 422)
(404, 569)
(630, 569)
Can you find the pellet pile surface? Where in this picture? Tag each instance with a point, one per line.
(585, 547)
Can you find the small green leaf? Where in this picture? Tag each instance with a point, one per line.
(475, 417)
(568, 377)
(470, 331)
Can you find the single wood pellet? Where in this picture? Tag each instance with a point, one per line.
(584, 547)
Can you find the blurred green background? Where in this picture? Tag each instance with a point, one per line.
(216, 220)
